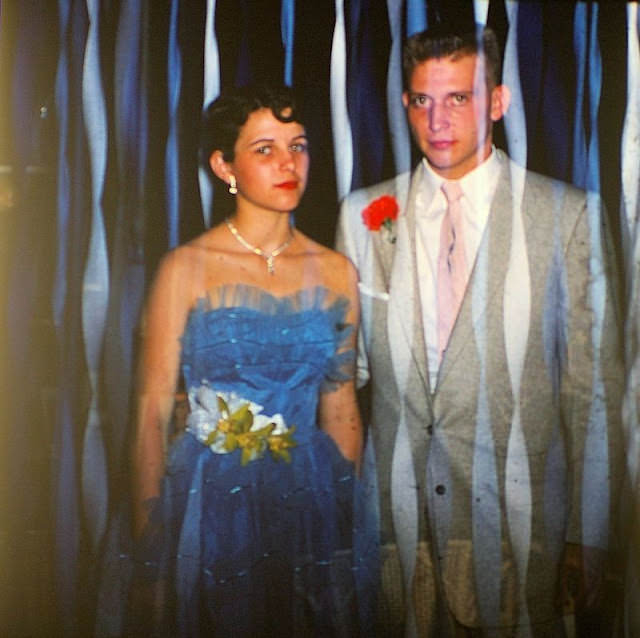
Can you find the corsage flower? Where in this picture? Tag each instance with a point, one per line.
(225, 422)
(381, 214)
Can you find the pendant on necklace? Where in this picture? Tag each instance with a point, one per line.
(258, 251)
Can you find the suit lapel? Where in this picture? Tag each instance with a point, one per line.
(487, 276)
(404, 317)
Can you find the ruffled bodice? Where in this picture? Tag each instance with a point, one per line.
(279, 352)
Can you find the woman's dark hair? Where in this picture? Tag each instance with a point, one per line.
(227, 114)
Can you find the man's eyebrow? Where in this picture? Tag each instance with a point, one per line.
(453, 92)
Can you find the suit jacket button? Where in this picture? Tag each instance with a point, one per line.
(440, 489)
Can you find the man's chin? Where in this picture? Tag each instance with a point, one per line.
(444, 167)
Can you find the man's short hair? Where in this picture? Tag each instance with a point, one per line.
(442, 42)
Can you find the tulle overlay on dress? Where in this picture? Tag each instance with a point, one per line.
(270, 546)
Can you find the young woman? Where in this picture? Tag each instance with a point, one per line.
(245, 520)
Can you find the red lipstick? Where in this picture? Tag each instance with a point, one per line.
(288, 185)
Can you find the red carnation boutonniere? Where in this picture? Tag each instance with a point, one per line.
(381, 214)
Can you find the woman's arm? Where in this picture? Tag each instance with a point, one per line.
(157, 375)
(338, 408)
(340, 419)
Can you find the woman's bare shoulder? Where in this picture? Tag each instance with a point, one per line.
(336, 270)
(197, 252)
(184, 270)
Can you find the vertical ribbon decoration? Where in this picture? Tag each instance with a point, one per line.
(64, 470)
(342, 138)
(172, 161)
(630, 146)
(400, 139)
(517, 303)
(127, 249)
(287, 21)
(416, 16)
(211, 91)
(514, 119)
(95, 285)
(596, 495)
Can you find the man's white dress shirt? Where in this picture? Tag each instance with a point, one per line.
(478, 188)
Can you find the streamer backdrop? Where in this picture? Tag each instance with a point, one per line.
(99, 176)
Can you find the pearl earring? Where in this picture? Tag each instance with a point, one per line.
(233, 187)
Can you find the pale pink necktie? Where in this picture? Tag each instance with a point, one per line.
(452, 265)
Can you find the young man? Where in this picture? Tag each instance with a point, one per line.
(491, 342)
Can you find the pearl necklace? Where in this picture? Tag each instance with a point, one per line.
(258, 251)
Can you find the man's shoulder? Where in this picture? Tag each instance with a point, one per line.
(539, 185)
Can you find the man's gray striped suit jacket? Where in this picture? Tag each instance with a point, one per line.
(516, 451)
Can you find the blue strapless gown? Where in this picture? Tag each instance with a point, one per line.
(269, 548)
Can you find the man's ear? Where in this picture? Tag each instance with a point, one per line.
(500, 100)
(219, 166)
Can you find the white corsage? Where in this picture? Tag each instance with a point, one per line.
(224, 422)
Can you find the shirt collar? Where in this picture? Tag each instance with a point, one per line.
(478, 185)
